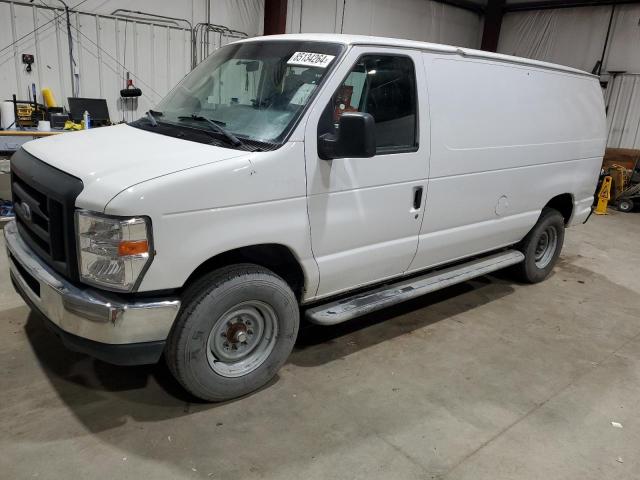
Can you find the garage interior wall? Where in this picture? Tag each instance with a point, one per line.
(422, 20)
(622, 97)
(575, 37)
(157, 54)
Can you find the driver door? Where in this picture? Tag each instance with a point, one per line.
(365, 213)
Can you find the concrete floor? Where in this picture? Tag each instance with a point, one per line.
(487, 380)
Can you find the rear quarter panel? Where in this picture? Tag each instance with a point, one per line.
(505, 139)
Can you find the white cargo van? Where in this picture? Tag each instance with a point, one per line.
(317, 175)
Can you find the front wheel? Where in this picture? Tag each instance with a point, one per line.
(541, 247)
(236, 328)
(625, 205)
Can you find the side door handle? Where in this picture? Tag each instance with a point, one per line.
(417, 198)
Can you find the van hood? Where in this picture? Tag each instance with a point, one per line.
(110, 159)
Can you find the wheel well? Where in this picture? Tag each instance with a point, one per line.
(277, 258)
(564, 204)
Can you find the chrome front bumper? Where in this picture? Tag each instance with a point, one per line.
(83, 312)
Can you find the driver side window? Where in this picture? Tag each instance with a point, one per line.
(385, 87)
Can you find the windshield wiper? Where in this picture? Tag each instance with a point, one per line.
(151, 115)
(235, 141)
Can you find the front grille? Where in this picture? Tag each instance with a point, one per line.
(29, 279)
(44, 202)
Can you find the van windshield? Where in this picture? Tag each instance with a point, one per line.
(253, 90)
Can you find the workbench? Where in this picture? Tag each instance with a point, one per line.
(29, 133)
(12, 140)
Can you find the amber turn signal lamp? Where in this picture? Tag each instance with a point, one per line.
(135, 247)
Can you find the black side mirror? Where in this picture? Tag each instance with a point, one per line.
(355, 138)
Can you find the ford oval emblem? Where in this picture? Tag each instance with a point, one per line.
(26, 209)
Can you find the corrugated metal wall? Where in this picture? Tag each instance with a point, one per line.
(575, 36)
(105, 48)
(622, 98)
(423, 20)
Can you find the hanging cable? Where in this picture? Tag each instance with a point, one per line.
(75, 82)
(116, 61)
(140, 80)
(105, 52)
(57, 16)
(597, 70)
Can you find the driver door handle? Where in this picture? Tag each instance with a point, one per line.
(417, 198)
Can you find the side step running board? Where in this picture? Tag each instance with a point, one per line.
(387, 295)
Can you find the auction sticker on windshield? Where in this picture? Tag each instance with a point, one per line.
(310, 59)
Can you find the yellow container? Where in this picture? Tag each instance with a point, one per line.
(49, 99)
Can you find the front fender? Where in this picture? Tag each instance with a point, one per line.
(201, 212)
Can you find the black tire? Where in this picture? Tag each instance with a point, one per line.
(536, 265)
(625, 205)
(251, 291)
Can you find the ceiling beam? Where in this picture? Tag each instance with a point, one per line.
(534, 5)
(465, 4)
(545, 5)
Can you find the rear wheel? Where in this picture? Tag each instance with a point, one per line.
(625, 205)
(541, 247)
(236, 328)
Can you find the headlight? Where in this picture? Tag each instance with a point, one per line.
(113, 252)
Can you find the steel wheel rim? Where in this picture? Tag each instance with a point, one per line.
(242, 338)
(546, 246)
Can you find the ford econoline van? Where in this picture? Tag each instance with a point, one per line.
(315, 176)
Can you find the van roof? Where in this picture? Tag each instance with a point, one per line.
(432, 47)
